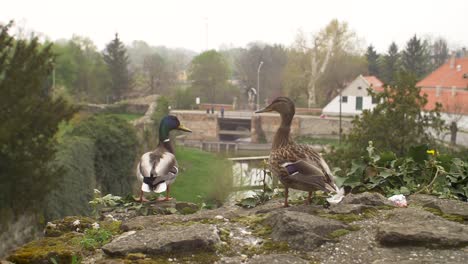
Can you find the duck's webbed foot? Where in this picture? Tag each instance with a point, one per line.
(141, 199)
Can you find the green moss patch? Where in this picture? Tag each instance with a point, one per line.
(451, 217)
(338, 233)
(349, 218)
(62, 249)
(68, 224)
(267, 247)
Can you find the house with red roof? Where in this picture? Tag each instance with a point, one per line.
(448, 85)
(354, 98)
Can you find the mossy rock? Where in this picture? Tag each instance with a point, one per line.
(59, 227)
(63, 249)
(186, 208)
(451, 217)
(349, 218)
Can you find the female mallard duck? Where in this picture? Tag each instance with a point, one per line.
(297, 166)
(157, 169)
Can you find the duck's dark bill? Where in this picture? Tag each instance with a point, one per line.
(263, 110)
(181, 127)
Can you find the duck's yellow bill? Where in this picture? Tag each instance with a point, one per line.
(183, 128)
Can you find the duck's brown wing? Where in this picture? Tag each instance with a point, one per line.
(307, 174)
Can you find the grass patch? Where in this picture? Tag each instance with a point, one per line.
(202, 175)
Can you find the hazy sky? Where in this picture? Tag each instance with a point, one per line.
(184, 23)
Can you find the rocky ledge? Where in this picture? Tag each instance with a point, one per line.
(364, 228)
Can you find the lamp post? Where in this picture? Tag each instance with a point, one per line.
(258, 84)
(339, 132)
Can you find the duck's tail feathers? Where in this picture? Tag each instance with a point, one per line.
(162, 187)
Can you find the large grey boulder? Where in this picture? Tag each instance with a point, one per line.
(301, 230)
(366, 198)
(165, 239)
(416, 227)
(451, 207)
(276, 258)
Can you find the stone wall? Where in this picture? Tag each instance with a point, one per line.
(316, 126)
(264, 126)
(205, 126)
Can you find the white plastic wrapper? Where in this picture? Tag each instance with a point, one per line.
(337, 197)
(398, 200)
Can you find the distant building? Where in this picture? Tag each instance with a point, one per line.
(448, 85)
(355, 97)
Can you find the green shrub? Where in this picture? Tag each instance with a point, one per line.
(116, 146)
(75, 157)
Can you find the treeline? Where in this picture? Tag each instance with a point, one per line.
(311, 70)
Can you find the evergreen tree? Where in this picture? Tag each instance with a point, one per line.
(415, 58)
(29, 118)
(390, 65)
(117, 61)
(372, 61)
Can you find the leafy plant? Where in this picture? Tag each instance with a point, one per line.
(261, 196)
(107, 200)
(422, 170)
(95, 238)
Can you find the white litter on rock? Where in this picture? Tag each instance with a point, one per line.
(337, 197)
(219, 217)
(76, 222)
(398, 200)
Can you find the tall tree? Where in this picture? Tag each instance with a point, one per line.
(440, 52)
(390, 64)
(274, 59)
(115, 56)
(30, 117)
(81, 70)
(415, 57)
(209, 73)
(372, 61)
(331, 60)
(155, 68)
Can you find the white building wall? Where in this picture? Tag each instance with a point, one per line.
(349, 108)
(358, 87)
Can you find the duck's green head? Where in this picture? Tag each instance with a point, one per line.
(169, 123)
(282, 105)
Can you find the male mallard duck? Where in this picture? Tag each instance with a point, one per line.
(297, 166)
(157, 169)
